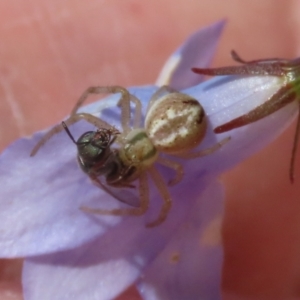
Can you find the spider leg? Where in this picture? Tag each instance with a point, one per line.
(71, 120)
(204, 152)
(177, 167)
(144, 204)
(163, 190)
(125, 100)
(115, 89)
(137, 113)
(163, 90)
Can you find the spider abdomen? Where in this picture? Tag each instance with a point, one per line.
(175, 123)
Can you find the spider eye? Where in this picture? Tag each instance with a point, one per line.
(91, 146)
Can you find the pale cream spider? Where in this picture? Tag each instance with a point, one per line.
(174, 124)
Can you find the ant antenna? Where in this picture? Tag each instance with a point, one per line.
(68, 132)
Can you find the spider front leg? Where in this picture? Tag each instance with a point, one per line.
(115, 89)
(125, 96)
(124, 103)
(71, 120)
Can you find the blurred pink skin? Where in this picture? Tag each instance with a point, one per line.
(52, 51)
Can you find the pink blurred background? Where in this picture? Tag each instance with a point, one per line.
(50, 51)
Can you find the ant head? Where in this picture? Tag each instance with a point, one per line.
(91, 145)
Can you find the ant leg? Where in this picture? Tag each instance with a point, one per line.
(71, 120)
(163, 190)
(144, 197)
(99, 184)
(177, 167)
(204, 152)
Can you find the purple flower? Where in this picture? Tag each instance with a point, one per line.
(74, 255)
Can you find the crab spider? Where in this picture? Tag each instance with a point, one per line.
(175, 123)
